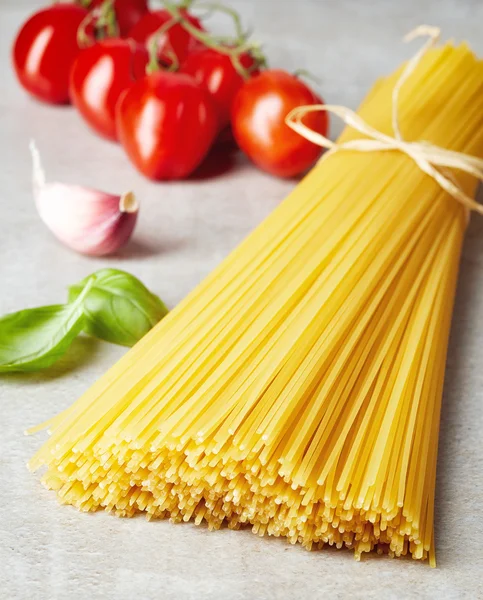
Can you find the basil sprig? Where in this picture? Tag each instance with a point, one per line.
(111, 305)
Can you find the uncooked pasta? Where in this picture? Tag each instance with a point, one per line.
(297, 389)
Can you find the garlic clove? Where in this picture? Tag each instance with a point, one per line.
(86, 220)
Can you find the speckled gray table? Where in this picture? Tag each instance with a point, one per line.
(185, 229)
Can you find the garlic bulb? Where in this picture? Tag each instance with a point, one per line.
(86, 220)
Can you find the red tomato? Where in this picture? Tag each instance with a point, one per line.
(44, 50)
(215, 72)
(99, 75)
(258, 122)
(176, 39)
(167, 124)
(128, 13)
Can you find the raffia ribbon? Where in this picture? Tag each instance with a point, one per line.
(427, 156)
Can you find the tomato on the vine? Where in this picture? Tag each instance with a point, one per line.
(258, 122)
(167, 123)
(99, 75)
(176, 40)
(216, 72)
(45, 49)
(127, 13)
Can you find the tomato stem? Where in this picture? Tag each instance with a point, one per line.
(212, 7)
(107, 19)
(104, 22)
(153, 47)
(308, 75)
(232, 48)
(83, 39)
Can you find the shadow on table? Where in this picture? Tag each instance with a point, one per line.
(466, 311)
(225, 157)
(138, 248)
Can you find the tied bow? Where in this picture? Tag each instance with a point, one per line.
(428, 157)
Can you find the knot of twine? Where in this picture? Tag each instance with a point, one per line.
(428, 157)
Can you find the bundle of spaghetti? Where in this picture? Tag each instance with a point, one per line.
(298, 388)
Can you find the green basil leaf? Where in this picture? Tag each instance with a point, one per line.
(118, 308)
(36, 338)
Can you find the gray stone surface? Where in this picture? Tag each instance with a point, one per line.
(185, 229)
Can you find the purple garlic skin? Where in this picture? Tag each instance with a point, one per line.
(88, 221)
